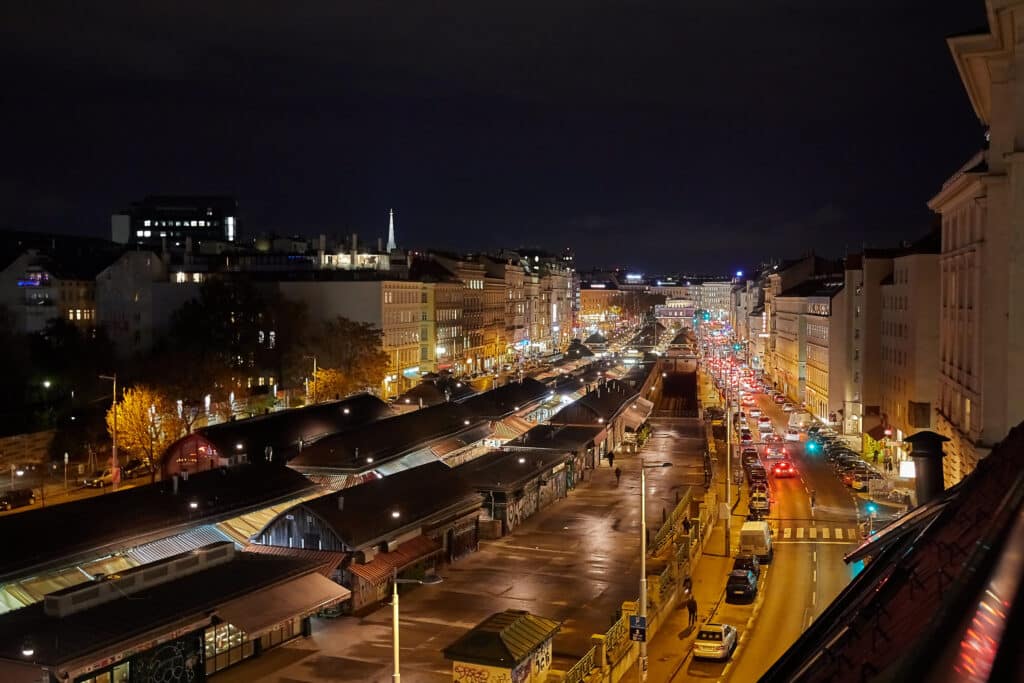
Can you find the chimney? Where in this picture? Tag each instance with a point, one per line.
(341, 503)
(927, 454)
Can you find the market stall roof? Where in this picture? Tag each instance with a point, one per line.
(503, 640)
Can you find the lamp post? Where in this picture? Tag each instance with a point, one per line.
(113, 450)
(643, 559)
(314, 376)
(431, 580)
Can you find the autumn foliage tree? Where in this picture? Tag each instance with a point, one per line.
(349, 355)
(147, 423)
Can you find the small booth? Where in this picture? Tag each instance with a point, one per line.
(513, 645)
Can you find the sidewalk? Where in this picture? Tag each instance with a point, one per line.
(669, 650)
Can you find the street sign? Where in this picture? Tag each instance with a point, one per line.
(638, 635)
(636, 621)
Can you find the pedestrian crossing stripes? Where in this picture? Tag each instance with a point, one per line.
(817, 533)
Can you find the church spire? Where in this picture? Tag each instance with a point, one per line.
(391, 231)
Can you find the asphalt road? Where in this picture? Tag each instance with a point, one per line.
(807, 573)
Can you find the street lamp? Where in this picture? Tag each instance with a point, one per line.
(429, 580)
(113, 450)
(643, 559)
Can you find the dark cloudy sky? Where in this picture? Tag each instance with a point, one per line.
(668, 135)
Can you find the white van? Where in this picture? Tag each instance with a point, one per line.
(800, 420)
(756, 539)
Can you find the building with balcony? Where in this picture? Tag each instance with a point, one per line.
(981, 333)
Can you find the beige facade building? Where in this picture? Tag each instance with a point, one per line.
(910, 345)
(399, 308)
(981, 333)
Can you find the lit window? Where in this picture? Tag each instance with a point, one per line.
(146, 223)
(273, 339)
(261, 381)
(138, 233)
(180, 277)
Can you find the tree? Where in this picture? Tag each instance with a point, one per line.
(328, 385)
(351, 348)
(147, 423)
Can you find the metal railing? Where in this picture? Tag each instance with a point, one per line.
(582, 668)
(617, 634)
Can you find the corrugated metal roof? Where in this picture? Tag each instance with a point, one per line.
(179, 543)
(384, 565)
(329, 560)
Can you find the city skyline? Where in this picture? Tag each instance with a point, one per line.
(478, 143)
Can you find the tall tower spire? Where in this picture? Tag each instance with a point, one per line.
(391, 231)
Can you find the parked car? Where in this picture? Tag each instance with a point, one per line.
(780, 398)
(787, 407)
(755, 412)
(757, 473)
(862, 482)
(134, 468)
(99, 479)
(741, 586)
(760, 504)
(16, 498)
(715, 641)
(792, 434)
(748, 562)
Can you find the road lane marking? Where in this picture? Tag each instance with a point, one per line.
(800, 532)
(814, 542)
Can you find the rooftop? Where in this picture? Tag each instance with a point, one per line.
(557, 437)
(388, 439)
(507, 399)
(283, 430)
(127, 518)
(366, 513)
(508, 471)
(816, 287)
(57, 640)
(503, 640)
(599, 406)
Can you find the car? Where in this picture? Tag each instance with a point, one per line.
(787, 407)
(783, 469)
(750, 458)
(134, 468)
(764, 428)
(15, 498)
(852, 475)
(755, 412)
(715, 641)
(759, 503)
(759, 487)
(772, 438)
(775, 452)
(792, 434)
(741, 586)
(99, 479)
(745, 437)
(757, 473)
(862, 482)
(813, 430)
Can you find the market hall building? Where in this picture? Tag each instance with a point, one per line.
(180, 619)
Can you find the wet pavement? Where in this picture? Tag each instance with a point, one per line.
(575, 561)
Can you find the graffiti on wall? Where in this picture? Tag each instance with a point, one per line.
(520, 509)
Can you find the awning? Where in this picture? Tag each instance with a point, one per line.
(260, 612)
(329, 560)
(385, 565)
(637, 413)
(179, 543)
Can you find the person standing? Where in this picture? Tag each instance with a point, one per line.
(618, 475)
(611, 459)
(691, 607)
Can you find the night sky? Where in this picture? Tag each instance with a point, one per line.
(696, 135)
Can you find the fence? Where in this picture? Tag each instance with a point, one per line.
(669, 528)
(582, 668)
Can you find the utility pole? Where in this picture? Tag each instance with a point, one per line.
(113, 451)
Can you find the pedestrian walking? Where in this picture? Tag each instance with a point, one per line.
(611, 459)
(691, 607)
(687, 524)
(687, 585)
(876, 456)
(618, 475)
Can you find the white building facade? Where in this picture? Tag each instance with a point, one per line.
(981, 333)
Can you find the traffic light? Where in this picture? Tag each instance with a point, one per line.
(707, 316)
(736, 346)
(812, 446)
(872, 508)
